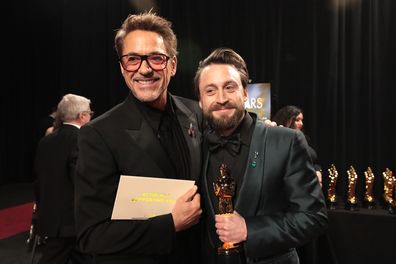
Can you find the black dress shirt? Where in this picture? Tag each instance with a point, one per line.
(235, 163)
(170, 135)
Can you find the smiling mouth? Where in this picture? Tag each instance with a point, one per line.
(146, 81)
(223, 110)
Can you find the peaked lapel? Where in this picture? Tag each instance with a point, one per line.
(143, 136)
(192, 134)
(253, 177)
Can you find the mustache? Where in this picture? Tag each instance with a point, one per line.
(227, 105)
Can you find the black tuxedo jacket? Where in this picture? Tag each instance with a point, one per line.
(280, 197)
(121, 142)
(54, 166)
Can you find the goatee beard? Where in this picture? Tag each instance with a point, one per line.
(223, 124)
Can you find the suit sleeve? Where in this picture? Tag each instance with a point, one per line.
(297, 213)
(95, 189)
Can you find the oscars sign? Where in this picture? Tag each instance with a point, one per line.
(259, 100)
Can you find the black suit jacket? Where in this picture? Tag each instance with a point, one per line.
(121, 142)
(280, 197)
(54, 165)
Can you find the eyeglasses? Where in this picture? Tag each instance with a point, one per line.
(132, 63)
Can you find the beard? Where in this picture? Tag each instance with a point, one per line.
(224, 123)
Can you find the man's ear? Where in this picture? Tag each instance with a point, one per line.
(200, 104)
(245, 94)
(174, 65)
(122, 69)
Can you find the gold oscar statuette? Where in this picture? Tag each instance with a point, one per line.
(368, 195)
(352, 202)
(389, 190)
(331, 192)
(224, 189)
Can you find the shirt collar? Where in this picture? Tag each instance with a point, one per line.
(72, 124)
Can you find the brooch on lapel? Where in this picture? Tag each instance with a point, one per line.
(254, 163)
(191, 131)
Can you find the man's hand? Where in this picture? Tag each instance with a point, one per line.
(187, 210)
(269, 122)
(319, 175)
(231, 227)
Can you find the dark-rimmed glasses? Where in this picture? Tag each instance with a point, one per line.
(132, 62)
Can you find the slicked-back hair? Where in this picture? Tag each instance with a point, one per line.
(223, 56)
(147, 21)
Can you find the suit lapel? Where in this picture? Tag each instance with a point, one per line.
(253, 177)
(213, 237)
(251, 184)
(143, 136)
(190, 127)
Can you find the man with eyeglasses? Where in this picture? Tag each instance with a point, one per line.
(152, 133)
(54, 165)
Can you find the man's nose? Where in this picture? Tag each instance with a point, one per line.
(145, 67)
(221, 97)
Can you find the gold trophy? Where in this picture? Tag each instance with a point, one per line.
(224, 189)
(352, 202)
(389, 190)
(331, 192)
(368, 195)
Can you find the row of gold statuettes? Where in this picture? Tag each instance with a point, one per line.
(389, 192)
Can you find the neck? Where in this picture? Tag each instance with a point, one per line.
(159, 103)
(74, 123)
(226, 132)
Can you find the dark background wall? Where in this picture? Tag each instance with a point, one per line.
(333, 58)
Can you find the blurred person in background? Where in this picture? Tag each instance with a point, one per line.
(54, 166)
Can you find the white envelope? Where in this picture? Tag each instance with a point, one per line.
(140, 198)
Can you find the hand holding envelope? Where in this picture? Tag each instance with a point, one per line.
(139, 198)
(187, 210)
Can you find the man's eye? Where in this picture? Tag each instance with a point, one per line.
(157, 59)
(229, 88)
(210, 91)
(133, 59)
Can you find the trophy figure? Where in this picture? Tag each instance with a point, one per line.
(331, 192)
(351, 203)
(224, 189)
(368, 195)
(389, 190)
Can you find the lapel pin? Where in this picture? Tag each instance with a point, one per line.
(191, 131)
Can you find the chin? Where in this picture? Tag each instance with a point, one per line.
(147, 96)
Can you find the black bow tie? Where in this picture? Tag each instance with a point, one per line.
(232, 144)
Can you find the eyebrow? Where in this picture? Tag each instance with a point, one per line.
(224, 84)
(230, 82)
(151, 53)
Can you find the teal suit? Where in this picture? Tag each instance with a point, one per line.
(280, 197)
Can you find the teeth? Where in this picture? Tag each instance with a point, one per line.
(145, 81)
